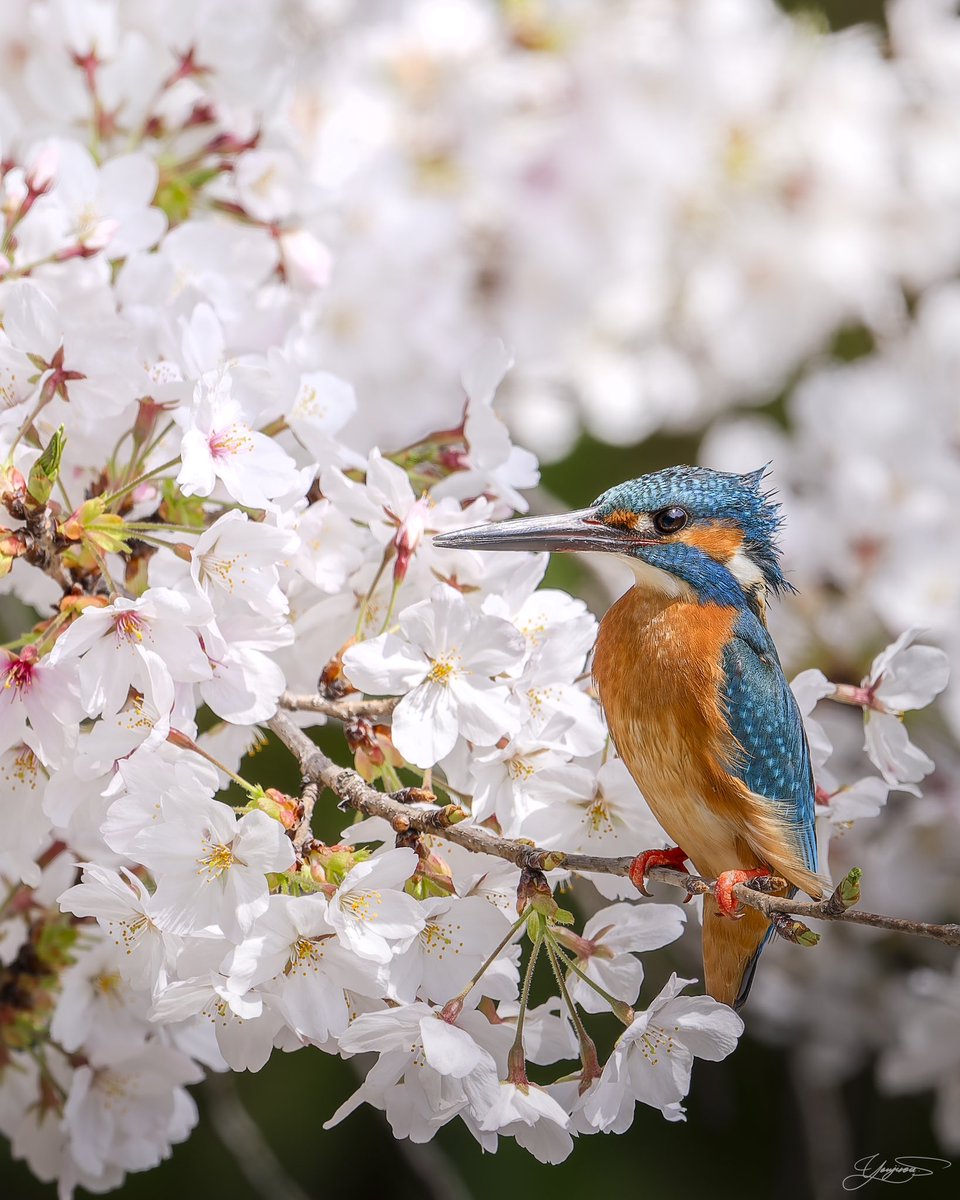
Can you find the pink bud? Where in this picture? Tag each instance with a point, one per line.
(307, 259)
(43, 168)
(409, 536)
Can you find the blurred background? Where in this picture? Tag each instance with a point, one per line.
(716, 231)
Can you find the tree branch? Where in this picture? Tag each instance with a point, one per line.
(447, 822)
(345, 709)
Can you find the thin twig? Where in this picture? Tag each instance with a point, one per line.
(448, 822)
(345, 710)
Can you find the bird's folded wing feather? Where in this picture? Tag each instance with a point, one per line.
(764, 718)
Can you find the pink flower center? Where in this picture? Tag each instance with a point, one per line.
(19, 671)
(229, 442)
(130, 626)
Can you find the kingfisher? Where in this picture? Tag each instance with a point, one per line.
(693, 691)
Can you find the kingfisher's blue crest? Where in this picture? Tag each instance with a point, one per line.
(713, 502)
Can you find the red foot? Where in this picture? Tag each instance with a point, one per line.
(726, 901)
(674, 858)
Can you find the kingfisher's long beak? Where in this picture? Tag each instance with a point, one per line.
(581, 530)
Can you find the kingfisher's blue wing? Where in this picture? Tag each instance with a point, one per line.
(764, 718)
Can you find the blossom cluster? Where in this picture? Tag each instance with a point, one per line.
(221, 472)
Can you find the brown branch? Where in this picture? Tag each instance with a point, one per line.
(308, 798)
(345, 709)
(446, 822)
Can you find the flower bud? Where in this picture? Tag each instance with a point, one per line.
(288, 810)
(42, 170)
(409, 536)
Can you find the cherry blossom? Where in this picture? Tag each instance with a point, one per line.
(531, 1115)
(903, 677)
(429, 1070)
(606, 950)
(39, 702)
(136, 643)
(444, 659)
(148, 1109)
(296, 954)
(211, 866)
(371, 916)
(219, 443)
(236, 559)
(653, 1058)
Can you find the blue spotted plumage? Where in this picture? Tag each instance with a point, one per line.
(763, 717)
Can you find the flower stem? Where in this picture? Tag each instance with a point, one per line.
(180, 739)
(619, 1008)
(455, 1006)
(392, 604)
(152, 445)
(588, 1050)
(113, 497)
(101, 560)
(46, 395)
(365, 602)
(516, 1059)
(163, 527)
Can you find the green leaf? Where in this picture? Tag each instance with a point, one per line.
(45, 471)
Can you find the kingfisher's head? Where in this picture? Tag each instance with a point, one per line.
(685, 531)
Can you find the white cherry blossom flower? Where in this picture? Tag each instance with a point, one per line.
(245, 681)
(244, 1027)
(144, 644)
(444, 659)
(548, 1033)
(902, 677)
(607, 949)
(371, 915)
(26, 824)
(211, 867)
(653, 1058)
(124, 1113)
(429, 1070)
(612, 818)
(457, 938)
(492, 464)
(97, 1009)
(237, 560)
(853, 802)
(293, 952)
(534, 1118)
(123, 908)
(219, 443)
(107, 206)
(39, 703)
(322, 405)
(524, 776)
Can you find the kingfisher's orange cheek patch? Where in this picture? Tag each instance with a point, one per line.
(718, 540)
(623, 518)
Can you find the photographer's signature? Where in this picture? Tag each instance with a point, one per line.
(903, 1169)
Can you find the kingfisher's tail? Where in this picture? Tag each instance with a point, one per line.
(730, 951)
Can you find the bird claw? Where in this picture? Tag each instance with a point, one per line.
(674, 859)
(727, 903)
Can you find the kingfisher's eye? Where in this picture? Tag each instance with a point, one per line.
(669, 520)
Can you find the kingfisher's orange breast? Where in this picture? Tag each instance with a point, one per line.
(659, 672)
